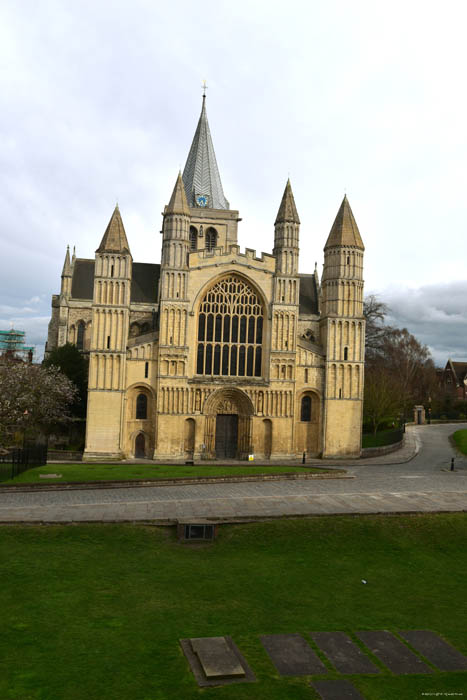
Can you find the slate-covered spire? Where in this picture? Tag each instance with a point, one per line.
(114, 239)
(178, 202)
(287, 210)
(201, 174)
(344, 231)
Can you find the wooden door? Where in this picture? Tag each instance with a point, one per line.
(226, 436)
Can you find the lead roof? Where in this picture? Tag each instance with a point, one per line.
(145, 281)
(201, 174)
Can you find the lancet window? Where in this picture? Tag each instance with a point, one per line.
(80, 335)
(193, 238)
(141, 407)
(211, 238)
(230, 330)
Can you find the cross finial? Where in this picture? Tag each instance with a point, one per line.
(205, 87)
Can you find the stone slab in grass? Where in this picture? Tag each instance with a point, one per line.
(336, 690)
(436, 650)
(291, 655)
(216, 661)
(343, 653)
(393, 653)
(216, 657)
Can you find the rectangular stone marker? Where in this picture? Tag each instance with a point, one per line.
(336, 690)
(436, 650)
(291, 655)
(216, 661)
(393, 653)
(343, 653)
(216, 658)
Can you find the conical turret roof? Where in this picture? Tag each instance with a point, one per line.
(344, 231)
(114, 239)
(178, 203)
(201, 174)
(287, 210)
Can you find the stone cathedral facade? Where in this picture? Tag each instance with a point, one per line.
(215, 352)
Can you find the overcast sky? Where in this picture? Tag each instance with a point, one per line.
(100, 100)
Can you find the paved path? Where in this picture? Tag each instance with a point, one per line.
(423, 484)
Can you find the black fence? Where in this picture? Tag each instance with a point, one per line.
(21, 459)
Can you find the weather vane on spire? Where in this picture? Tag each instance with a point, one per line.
(205, 87)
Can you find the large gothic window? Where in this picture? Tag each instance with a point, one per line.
(230, 330)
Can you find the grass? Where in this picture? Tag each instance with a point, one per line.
(381, 438)
(117, 472)
(460, 438)
(96, 611)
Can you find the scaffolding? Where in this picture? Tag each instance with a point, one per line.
(12, 345)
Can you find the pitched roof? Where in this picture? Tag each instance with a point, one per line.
(459, 369)
(287, 210)
(114, 239)
(308, 298)
(144, 281)
(178, 203)
(344, 230)
(201, 174)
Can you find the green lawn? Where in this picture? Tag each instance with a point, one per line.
(381, 438)
(95, 612)
(460, 438)
(115, 472)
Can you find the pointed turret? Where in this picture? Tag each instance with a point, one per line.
(178, 203)
(67, 273)
(287, 211)
(67, 265)
(201, 177)
(114, 239)
(286, 234)
(344, 231)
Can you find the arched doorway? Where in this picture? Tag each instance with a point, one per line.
(140, 446)
(228, 424)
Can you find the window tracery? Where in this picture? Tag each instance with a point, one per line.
(230, 330)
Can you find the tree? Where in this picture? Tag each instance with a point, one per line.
(413, 371)
(74, 365)
(33, 397)
(401, 364)
(376, 330)
(381, 398)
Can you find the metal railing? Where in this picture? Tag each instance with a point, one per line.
(20, 459)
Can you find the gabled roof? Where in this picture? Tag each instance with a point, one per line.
(201, 174)
(344, 231)
(459, 370)
(114, 239)
(287, 210)
(178, 203)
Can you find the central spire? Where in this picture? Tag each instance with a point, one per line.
(201, 177)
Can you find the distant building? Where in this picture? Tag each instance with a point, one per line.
(13, 348)
(217, 352)
(453, 379)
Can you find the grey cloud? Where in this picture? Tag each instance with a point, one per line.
(435, 314)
